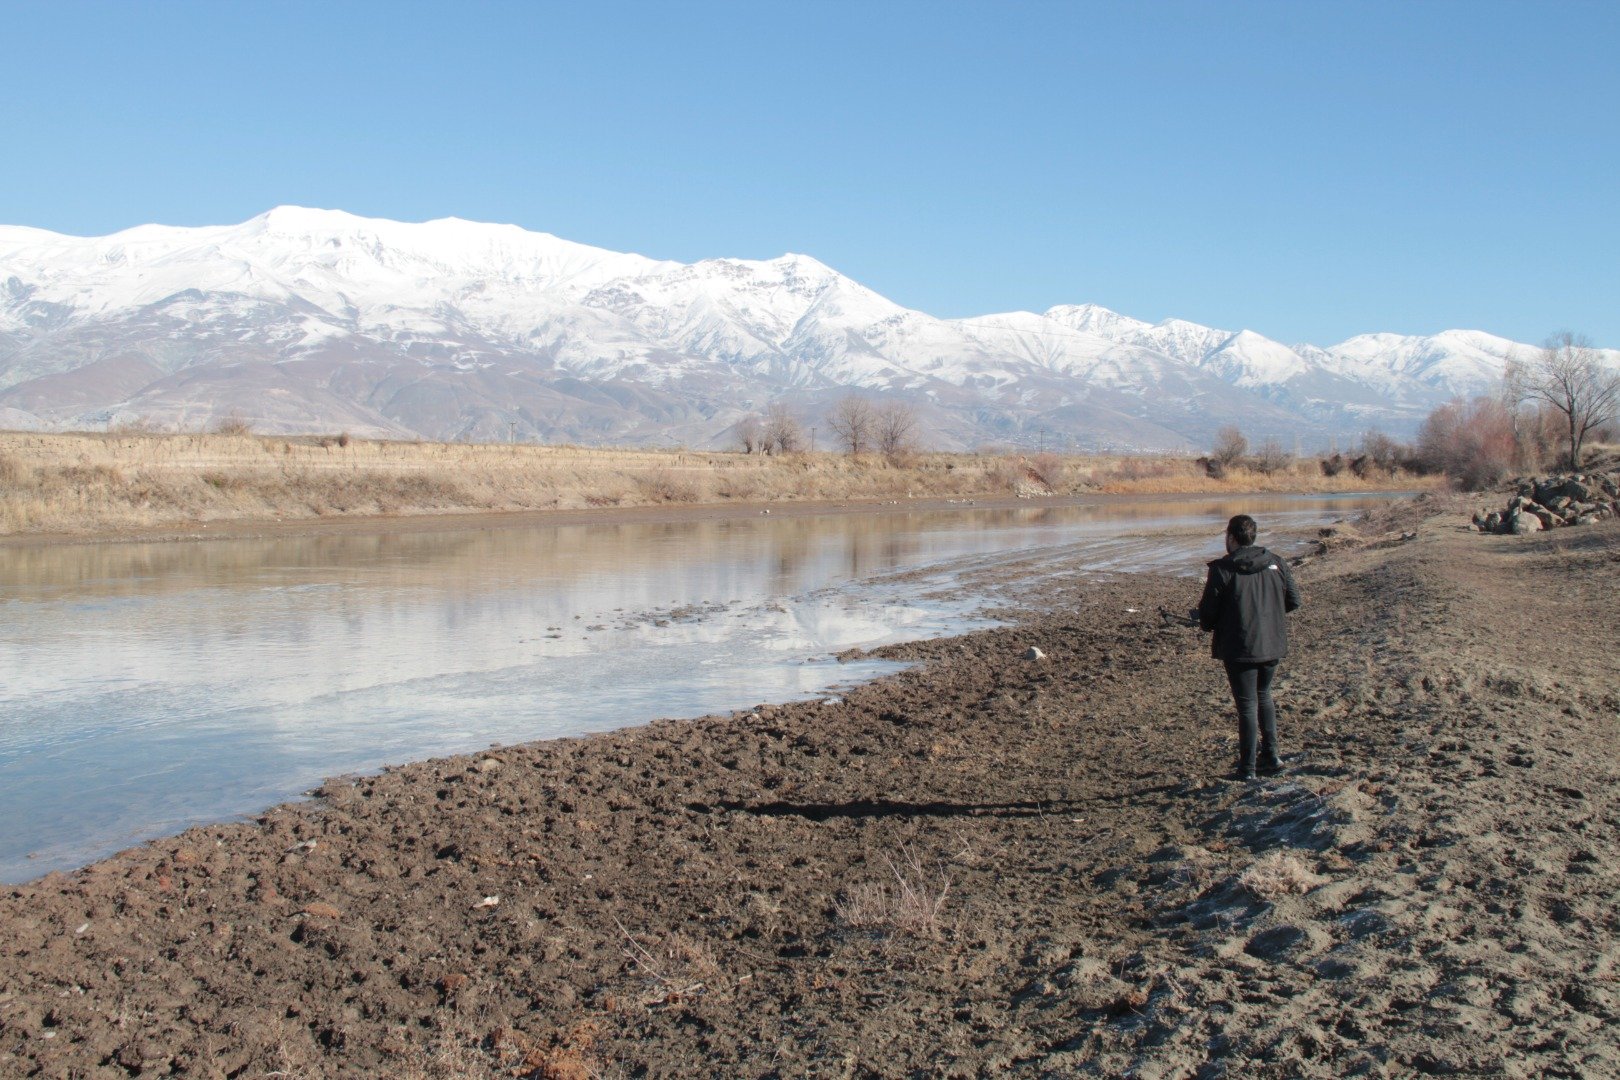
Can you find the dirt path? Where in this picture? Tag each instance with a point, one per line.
(987, 864)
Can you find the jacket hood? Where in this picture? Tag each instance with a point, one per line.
(1251, 560)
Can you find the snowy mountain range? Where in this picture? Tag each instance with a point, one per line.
(308, 321)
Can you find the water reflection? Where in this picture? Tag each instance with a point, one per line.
(144, 687)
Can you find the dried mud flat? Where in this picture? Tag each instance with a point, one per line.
(984, 865)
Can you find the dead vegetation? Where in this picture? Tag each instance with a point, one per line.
(1277, 874)
(89, 483)
(910, 900)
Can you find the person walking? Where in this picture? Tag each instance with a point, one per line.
(1247, 595)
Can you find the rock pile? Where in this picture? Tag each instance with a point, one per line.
(1553, 502)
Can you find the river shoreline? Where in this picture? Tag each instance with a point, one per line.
(404, 524)
(109, 486)
(986, 863)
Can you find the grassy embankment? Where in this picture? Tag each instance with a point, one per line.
(98, 483)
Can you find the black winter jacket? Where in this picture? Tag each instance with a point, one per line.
(1245, 598)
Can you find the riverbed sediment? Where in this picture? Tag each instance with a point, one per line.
(986, 864)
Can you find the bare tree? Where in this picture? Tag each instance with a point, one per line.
(1472, 442)
(751, 435)
(1569, 376)
(782, 434)
(1514, 387)
(1230, 445)
(1271, 457)
(894, 427)
(854, 422)
(1381, 451)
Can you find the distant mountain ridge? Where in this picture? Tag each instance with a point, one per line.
(304, 320)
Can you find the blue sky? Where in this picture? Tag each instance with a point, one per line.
(1307, 170)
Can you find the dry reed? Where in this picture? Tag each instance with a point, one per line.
(89, 483)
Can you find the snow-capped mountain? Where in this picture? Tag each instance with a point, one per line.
(316, 321)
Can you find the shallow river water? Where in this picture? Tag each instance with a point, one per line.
(148, 687)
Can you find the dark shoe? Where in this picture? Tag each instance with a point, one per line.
(1270, 763)
(1243, 776)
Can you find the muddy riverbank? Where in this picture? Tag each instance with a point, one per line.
(986, 864)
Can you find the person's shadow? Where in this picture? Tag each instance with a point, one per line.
(880, 808)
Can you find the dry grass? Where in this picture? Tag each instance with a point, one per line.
(1178, 476)
(911, 902)
(90, 483)
(680, 967)
(1278, 874)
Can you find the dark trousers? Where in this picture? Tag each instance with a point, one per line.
(1257, 716)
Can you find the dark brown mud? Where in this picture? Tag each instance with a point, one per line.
(987, 864)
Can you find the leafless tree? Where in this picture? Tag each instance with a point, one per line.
(782, 434)
(1569, 376)
(894, 427)
(1381, 451)
(1271, 457)
(1230, 445)
(1472, 442)
(1514, 387)
(854, 423)
(751, 435)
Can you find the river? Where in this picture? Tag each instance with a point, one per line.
(146, 687)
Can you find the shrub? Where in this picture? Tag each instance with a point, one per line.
(1271, 458)
(1136, 468)
(221, 481)
(1472, 442)
(234, 424)
(664, 486)
(134, 425)
(1049, 468)
(1230, 445)
(1382, 452)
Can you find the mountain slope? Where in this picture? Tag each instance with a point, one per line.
(318, 320)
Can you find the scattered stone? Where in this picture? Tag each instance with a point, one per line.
(319, 910)
(1551, 503)
(1032, 653)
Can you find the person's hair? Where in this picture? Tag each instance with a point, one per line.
(1243, 529)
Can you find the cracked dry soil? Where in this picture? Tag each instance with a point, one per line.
(982, 866)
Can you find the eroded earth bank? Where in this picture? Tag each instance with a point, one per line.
(985, 865)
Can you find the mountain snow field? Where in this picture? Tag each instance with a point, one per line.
(304, 321)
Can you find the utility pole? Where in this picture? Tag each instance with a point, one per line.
(511, 431)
